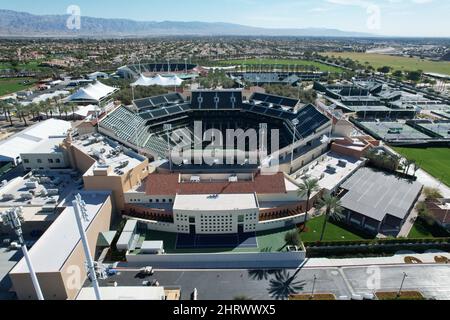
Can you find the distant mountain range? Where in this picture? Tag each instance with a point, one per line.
(21, 24)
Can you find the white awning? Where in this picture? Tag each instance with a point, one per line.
(93, 92)
(158, 80)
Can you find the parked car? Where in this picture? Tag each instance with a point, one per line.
(147, 271)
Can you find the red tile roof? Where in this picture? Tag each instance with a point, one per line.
(167, 184)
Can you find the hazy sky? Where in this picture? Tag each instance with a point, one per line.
(385, 17)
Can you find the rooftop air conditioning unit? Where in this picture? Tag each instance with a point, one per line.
(7, 197)
(26, 196)
(52, 192)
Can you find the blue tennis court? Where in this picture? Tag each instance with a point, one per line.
(241, 240)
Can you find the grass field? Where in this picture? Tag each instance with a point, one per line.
(333, 232)
(12, 85)
(397, 63)
(29, 66)
(435, 161)
(285, 62)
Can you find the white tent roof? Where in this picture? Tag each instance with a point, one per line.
(158, 80)
(93, 92)
(28, 139)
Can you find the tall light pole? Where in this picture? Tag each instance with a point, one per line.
(81, 215)
(314, 286)
(405, 275)
(13, 218)
(168, 128)
(295, 123)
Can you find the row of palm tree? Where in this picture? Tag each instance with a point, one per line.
(34, 110)
(384, 160)
(331, 204)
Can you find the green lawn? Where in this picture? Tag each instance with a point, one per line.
(333, 232)
(422, 230)
(419, 231)
(435, 161)
(397, 63)
(29, 66)
(12, 85)
(284, 62)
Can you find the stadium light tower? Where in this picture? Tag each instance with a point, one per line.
(81, 214)
(168, 128)
(295, 123)
(13, 218)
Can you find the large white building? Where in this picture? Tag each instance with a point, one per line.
(28, 140)
(216, 203)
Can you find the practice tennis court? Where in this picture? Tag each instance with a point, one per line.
(241, 240)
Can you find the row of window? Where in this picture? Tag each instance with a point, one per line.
(155, 200)
(216, 230)
(40, 160)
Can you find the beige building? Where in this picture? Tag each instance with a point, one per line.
(46, 155)
(58, 256)
(106, 165)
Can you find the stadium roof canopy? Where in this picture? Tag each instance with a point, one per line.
(158, 101)
(93, 93)
(158, 80)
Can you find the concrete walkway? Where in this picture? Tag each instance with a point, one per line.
(399, 259)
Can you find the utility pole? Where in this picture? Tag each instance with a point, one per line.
(13, 218)
(295, 123)
(314, 286)
(405, 275)
(81, 215)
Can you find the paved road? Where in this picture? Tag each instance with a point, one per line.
(434, 281)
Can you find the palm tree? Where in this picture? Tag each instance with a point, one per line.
(395, 161)
(333, 209)
(7, 108)
(21, 111)
(72, 106)
(292, 238)
(307, 188)
(45, 108)
(416, 168)
(407, 165)
(65, 108)
(35, 110)
(284, 285)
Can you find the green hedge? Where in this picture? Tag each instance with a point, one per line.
(376, 242)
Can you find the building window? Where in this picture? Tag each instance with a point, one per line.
(191, 219)
(50, 160)
(58, 160)
(26, 161)
(39, 161)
